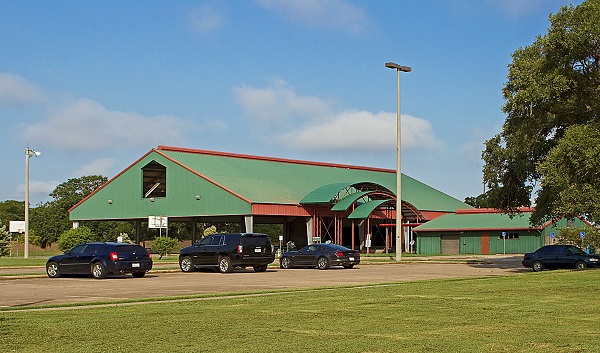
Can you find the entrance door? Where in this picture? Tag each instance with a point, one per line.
(485, 243)
(451, 244)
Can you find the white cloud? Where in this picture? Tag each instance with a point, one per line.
(86, 124)
(205, 19)
(278, 103)
(17, 90)
(310, 123)
(38, 188)
(362, 130)
(103, 166)
(336, 14)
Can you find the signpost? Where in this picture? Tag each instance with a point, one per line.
(504, 237)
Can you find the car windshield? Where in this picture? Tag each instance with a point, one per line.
(575, 250)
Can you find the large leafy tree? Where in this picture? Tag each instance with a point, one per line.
(571, 175)
(51, 219)
(11, 210)
(553, 84)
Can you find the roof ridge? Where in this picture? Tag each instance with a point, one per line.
(272, 159)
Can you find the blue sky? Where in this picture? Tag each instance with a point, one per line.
(94, 85)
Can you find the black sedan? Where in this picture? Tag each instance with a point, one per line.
(560, 256)
(320, 255)
(101, 259)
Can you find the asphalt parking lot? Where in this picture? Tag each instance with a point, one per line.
(23, 292)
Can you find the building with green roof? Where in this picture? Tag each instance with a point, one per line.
(486, 231)
(314, 201)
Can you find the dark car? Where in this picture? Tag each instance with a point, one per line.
(320, 255)
(559, 256)
(101, 259)
(226, 251)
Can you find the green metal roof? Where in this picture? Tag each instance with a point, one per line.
(271, 180)
(476, 221)
(204, 183)
(344, 203)
(365, 209)
(324, 194)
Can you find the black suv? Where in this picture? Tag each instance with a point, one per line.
(226, 251)
(100, 259)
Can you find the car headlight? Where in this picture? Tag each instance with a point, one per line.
(593, 259)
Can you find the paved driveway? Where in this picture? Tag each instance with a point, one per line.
(41, 291)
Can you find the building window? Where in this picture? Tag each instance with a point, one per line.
(154, 180)
(510, 236)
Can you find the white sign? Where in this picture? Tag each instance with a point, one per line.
(157, 221)
(16, 227)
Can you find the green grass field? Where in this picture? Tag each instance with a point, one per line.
(551, 311)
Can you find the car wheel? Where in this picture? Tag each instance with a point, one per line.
(537, 266)
(138, 274)
(225, 264)
(322, 263)
(348, 266)
(285, 263)
(52, 270)
(185, 263)
(580, 265)
(260, 268)
(98, 270)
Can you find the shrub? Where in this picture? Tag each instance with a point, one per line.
(72, 237)
(164, 245)
(4, 240)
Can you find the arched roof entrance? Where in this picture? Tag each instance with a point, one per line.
(363, 197)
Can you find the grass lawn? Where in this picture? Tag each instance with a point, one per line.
(551, 311)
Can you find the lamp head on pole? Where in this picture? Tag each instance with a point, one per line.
(391, 65)
(29, 152)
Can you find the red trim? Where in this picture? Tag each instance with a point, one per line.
(475, 229)
(279, 210)
(271, 159)
(490, 210)
(403, 224)
(110, 181)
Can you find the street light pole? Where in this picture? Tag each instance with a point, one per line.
(398, 69)
(28, 153)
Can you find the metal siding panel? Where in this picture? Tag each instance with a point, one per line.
(527, 242)
(470, 243)
(429, 245)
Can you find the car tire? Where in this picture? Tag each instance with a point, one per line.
(225, 264)
(98, 270)
(285, 262)
(260, 268)
(580, 265)
(537, 266)
(139, 274)
(52, 270)
(348, 266)
(322, 263)
(186, 265)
